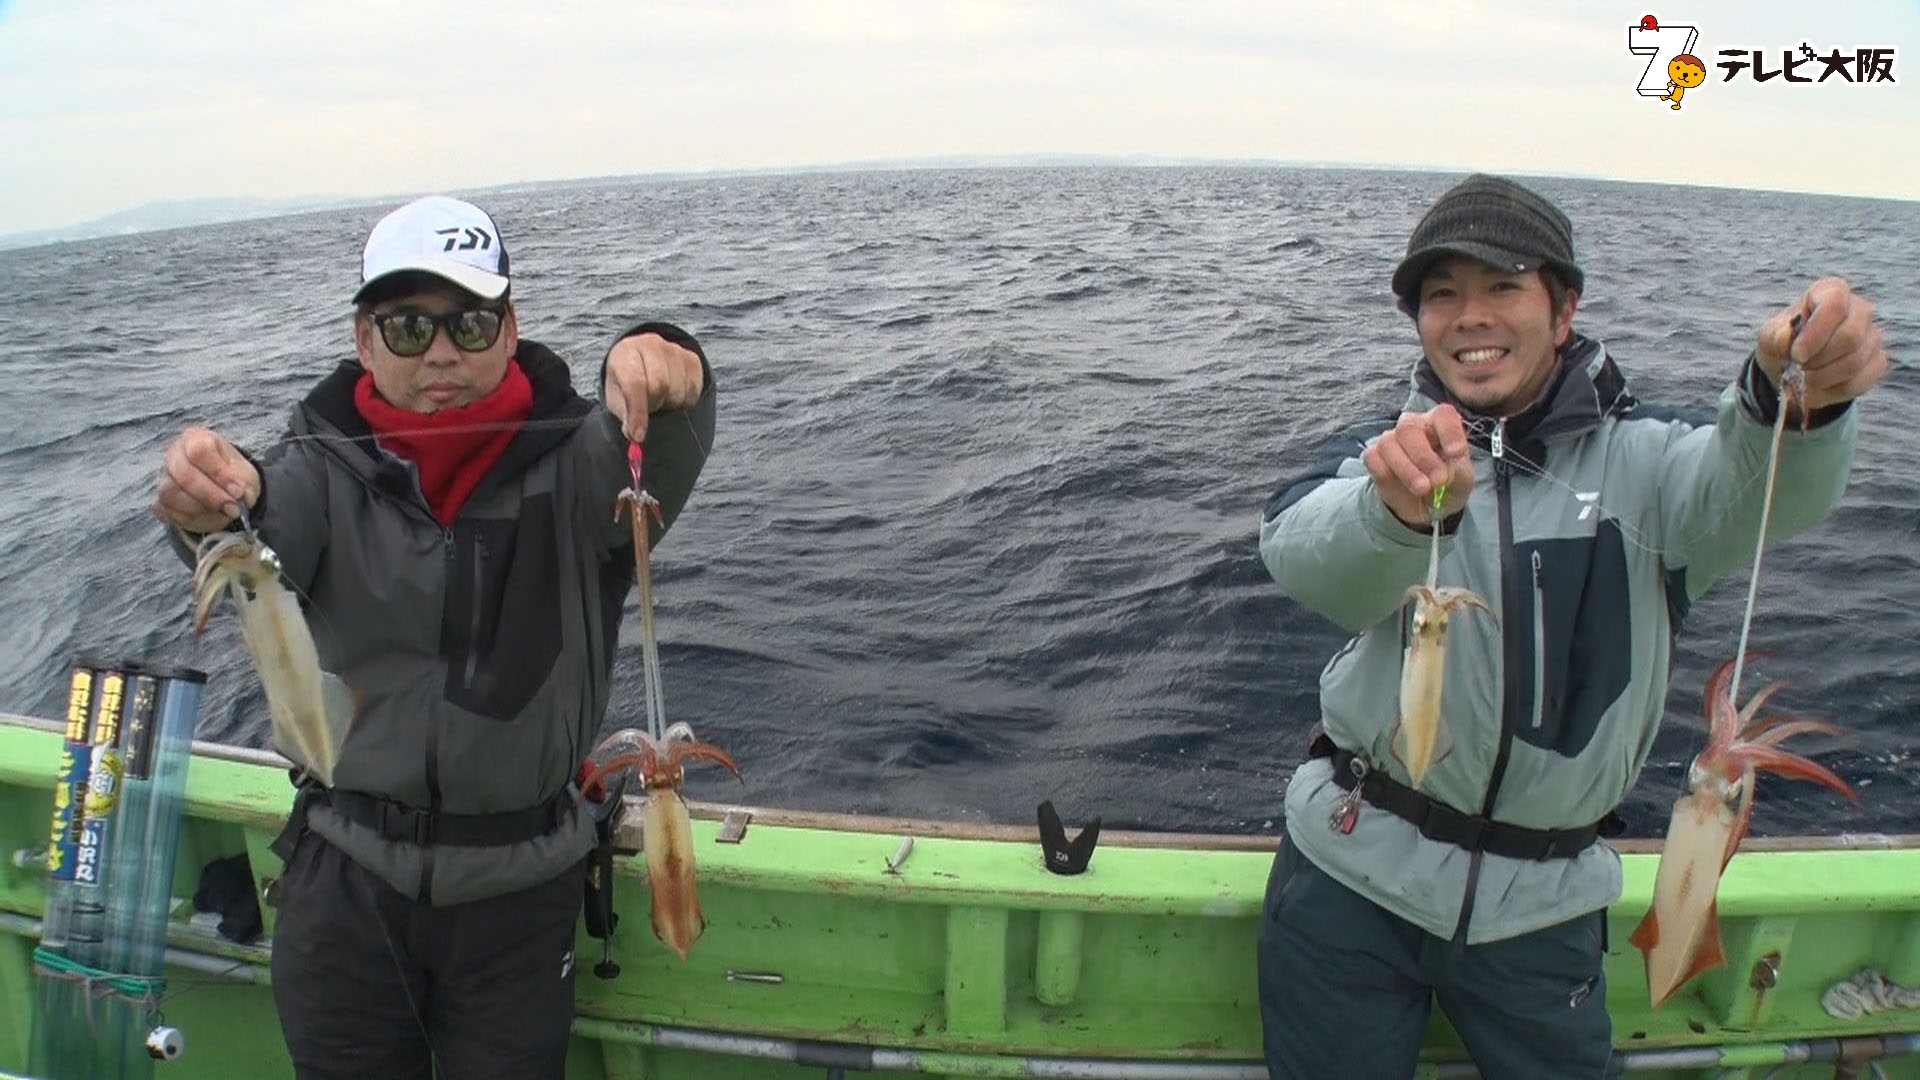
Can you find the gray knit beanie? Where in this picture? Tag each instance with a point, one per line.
(1496, 221)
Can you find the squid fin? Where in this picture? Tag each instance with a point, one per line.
(1647, 934)
(342, 704)
(1711, 953)
(1443, 749)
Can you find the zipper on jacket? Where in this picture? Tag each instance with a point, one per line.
(1539, 643)
(473, 626)
(1509, 601)
(452, 551)
(1502, 483)
(433, 729)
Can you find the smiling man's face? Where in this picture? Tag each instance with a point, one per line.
(1491, 335)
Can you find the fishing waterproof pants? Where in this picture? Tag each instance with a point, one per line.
(1347, 989)
(371, 984)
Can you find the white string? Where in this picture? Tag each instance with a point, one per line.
(655, 694)
(654, 690)
(1793, 383)
(1634, 536)
(1638, 538)
(1433, 554)
(457, 429)
(1867, 992)
(1759, 546)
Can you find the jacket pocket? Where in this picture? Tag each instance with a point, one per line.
(1580, 630)
(1539, 644)
(500, 632)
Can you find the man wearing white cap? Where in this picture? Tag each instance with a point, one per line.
(443, 502)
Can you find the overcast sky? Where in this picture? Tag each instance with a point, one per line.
(111, 104)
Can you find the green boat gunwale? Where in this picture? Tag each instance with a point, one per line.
(972, 960)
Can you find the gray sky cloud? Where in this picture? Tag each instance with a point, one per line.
(109, 104)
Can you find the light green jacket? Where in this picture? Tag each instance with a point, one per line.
(1593, 523)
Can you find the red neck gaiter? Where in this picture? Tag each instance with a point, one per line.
(454, 447)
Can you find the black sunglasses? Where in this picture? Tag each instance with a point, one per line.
(410, 333)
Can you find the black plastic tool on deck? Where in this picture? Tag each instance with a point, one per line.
(1064, 856)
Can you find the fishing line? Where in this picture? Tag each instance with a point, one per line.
(489, 426)
(654, 694)
(1760, 544)
(1641, 539)
(639, 506)
(309, 611)
(392, 950)
(456, 429)
(1478, 426)
(400, 969)
(178, 988)
(1790, 375)
(1635, 536)
(1433, 551)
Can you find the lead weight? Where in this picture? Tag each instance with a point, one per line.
(166, 1044)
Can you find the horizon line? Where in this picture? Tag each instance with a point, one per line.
(265, 207)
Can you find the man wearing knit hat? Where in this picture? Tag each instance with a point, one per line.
(1588, 525)
(443, 502)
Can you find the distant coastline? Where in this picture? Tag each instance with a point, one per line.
(217, 210)
(175, 214)
(166, 214)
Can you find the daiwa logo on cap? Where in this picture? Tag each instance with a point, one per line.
(444, 237)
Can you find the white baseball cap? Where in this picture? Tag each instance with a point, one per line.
(440, 236)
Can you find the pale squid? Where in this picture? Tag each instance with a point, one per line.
(665, 827)
(1423, 674)
(311, 709)
(1680, 936)
(1423, 668)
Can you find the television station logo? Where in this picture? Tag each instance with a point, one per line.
(1674, 67)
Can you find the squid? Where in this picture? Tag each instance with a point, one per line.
(1423, 668)
(1680, 936)
(311, 709)
(1422, 673)
(666, 829)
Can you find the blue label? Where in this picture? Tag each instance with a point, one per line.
(87, 861)
(63, 848)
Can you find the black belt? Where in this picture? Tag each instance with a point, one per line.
(1438, 821)
(397, 821)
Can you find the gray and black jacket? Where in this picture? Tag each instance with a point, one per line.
(1593, 524)
(479, 653)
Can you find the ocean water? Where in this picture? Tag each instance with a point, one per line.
(979, 528)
